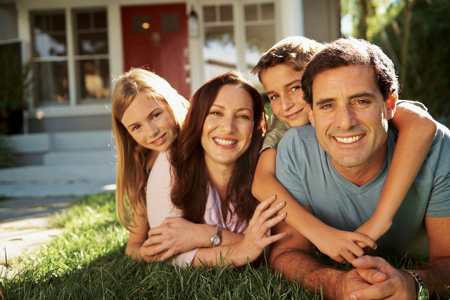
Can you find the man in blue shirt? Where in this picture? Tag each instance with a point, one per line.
(337, 167)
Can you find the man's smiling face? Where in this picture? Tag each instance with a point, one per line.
(350, 118)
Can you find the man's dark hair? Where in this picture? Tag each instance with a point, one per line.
(347, 52)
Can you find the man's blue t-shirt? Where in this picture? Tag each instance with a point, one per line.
(306, 172)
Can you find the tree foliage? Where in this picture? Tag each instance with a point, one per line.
(428, 73)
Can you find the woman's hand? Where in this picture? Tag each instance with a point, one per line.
(177, 235)
(256, 238)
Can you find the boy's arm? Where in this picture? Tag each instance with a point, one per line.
(416, 131)
(337, 244)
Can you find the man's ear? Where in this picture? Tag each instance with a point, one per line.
(311, 115)
(391, 104)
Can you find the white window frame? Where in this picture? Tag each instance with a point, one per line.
(238, 23)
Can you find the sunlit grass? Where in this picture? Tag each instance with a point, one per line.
(87, 262)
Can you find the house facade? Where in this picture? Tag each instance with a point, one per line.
(78, 47)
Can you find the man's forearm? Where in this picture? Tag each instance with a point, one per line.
(302, 267)
(436, 276)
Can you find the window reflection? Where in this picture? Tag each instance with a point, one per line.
(50, 82)
(219, 51)
(49, 36)
(94, 79)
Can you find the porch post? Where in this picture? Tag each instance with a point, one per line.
(291, 12)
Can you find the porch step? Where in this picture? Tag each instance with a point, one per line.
(71, 164)
(60, 180)
(80, 157)
(81, 140)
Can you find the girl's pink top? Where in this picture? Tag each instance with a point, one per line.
(159, 205)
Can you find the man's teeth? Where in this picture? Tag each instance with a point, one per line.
(225, 142)
(349, 140)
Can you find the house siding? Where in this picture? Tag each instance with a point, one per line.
(8, 22)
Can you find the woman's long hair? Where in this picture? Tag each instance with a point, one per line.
(190, 177)
(132, 173)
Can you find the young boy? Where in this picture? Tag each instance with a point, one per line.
(280, 70)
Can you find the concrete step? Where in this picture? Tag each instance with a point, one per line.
(81, 140)
(80, 157)
(74, 172)
(56, 181)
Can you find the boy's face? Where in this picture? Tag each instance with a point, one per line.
(283, 87)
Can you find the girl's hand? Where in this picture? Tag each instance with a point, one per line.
(256, 238)
(176, 235)
(342, 246)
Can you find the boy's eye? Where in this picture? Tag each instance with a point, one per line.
(326, 106)
(274, 97)
(295, 88)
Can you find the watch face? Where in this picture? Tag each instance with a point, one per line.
(423, 294)
(216, 241)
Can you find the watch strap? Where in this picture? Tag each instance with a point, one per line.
(421, 291)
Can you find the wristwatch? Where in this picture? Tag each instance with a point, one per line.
(216, 239)
(421, 291)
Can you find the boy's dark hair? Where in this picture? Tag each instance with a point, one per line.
(347, 52)
(295, 51)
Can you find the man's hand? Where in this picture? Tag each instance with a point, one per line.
(377, 279)
(359, 279)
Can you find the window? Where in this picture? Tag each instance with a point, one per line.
(259, 32)
(219, 49)
(51, 58)
(91, 54)
(223, 50)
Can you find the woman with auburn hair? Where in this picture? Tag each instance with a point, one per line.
(213, 161)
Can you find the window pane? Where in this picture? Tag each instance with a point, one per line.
(226, 13)
(83, 20)
(100, 19)
(59, 23)
(50, 83)
(259, 38)
(219, 51)
(48, 42)
(94, 79)
(209, 13)
(42, 22)
(268, 12)
(92, 43)
(250, 13)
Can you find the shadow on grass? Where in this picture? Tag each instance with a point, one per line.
(88, 262)
(115, 276)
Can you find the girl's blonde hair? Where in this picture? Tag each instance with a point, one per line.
(132, 171)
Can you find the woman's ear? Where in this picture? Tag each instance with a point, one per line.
(391, 104)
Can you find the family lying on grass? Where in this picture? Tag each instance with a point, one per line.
(190, 174)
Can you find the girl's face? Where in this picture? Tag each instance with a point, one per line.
(150, 123)
(228, 128)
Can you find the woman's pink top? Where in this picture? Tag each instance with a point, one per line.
(159, 205)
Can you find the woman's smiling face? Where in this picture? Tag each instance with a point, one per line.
(150, 123)
(227, 130)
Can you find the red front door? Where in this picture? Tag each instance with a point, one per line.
(156, 36)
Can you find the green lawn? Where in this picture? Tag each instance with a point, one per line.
(88, 262)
